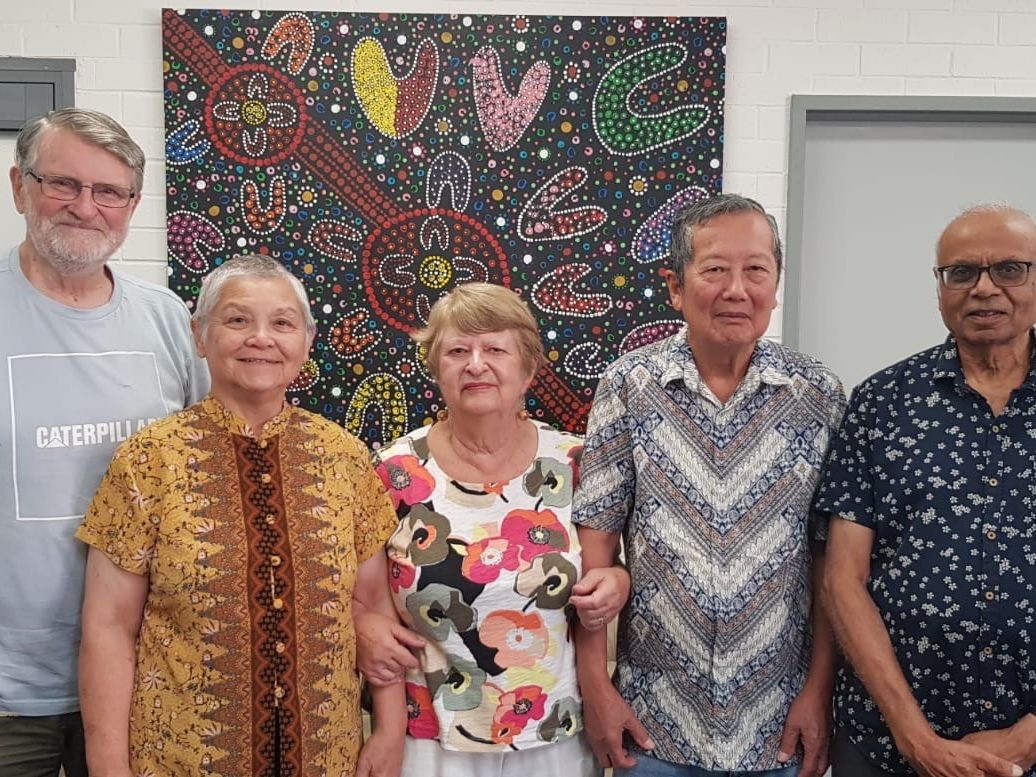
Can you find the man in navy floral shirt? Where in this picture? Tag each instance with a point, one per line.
(932, 548)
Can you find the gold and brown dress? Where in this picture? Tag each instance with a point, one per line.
(246, 653)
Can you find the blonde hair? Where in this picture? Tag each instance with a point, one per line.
(477, 308)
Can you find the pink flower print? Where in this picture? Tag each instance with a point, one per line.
(535, 532)
(520, 639)
(406, 480)
(487, 558)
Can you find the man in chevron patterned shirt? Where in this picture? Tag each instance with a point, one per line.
(703, 452)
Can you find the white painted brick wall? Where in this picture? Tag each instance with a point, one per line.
(776, 48)
(945, 27)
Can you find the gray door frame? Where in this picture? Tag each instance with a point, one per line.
(806, 109)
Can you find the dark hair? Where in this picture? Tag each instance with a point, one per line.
(696, 214)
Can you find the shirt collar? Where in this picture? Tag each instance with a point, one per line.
(766, 366)
(947, 363)
(235, 424)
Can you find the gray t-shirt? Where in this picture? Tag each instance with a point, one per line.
(73, 385)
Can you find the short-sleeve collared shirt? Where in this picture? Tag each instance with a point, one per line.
(246, 653)
(950, 491)
(713, 502)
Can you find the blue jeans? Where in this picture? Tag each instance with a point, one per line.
(652, 767)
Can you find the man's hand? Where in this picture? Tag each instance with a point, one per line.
(384, 648)
(1016, 743)
(808, 725)
(599, 596)
(381, 756)
(934, 756)
(607, 717)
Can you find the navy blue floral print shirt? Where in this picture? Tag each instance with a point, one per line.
(949, 490)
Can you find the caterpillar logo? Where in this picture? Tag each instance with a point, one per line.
(80, 435)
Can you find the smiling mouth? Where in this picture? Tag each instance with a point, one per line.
(258, 361)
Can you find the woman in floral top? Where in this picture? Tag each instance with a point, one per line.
(484, 563)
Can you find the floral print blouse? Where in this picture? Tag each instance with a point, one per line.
(483, 572)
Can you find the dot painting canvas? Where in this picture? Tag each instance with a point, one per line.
(386, 158)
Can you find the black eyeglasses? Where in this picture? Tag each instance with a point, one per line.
(61, 187)
(959, 277)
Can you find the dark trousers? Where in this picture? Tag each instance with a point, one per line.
(848, 761)
(42, 746)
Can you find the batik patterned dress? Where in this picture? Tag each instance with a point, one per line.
(246, 653)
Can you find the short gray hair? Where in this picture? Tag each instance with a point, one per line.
(247, 266)
(93, 127)
(696, 214)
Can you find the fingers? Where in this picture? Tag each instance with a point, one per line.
(600, 749)
(409, 639)
(789, 741)
(390, 667)
(594, 610)
(592, 622)
(382, 679)
(583, 586)
(589, 581)
(811, 757)
(580, 602)
(401, 659)
(824, 759)
(639, 733)
(995, 766)
(616, 755)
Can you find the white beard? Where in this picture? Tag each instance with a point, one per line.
(71, 252)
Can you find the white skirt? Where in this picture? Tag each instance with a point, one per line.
(570, 758)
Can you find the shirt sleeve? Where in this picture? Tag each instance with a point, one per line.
(607, 476)
(846, 484)
(374, 519)
(121, 520)
(819, 521)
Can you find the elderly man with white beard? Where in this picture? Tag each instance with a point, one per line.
(91, 356)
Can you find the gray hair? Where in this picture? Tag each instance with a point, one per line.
(92, 126)
(696, 214)
(248, 266)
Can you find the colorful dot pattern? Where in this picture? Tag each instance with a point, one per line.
(386, 158)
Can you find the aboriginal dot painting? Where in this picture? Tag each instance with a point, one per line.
(386, 158)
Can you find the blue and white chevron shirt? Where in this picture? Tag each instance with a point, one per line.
(713, 501)
(950, 492)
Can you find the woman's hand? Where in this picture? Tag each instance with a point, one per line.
(599, 596)
(381, 755)
(384, 647)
